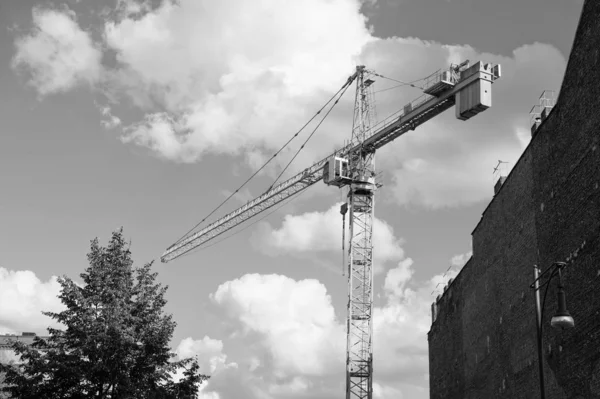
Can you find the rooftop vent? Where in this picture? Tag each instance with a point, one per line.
(499, 184)
(499, 175)
(541, 111)
(434, 312)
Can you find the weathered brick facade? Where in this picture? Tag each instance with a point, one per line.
(483, 341)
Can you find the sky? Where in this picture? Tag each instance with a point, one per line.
(148, 114)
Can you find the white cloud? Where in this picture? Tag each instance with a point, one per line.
(209, 352)
(293, 345)
(386, 392)
(447, 162)
(203, 394)
(397, 278)
(444, 163)
(23, 297)
(212, 361)
(239, 78)
(312, 233)
(295, 321)
(298, 385)
(291, 326)
(439, 281)
(224, 88)
(234, 383)
(407, 314)
(156, 132)
(461, 259)
(110, 121)
(204, 47)
(57, 53)
(288, 334)
(132, 8)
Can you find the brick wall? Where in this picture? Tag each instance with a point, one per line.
(483, 341)
(567, 199)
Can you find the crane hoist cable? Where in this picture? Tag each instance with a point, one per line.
(343, 89)
(309, 137)
(345, 86)
(343, 211)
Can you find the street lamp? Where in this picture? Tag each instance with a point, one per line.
(561, 319)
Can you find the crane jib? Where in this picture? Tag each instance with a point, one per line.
(416, 116)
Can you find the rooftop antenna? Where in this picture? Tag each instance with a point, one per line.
(444, 281)
(497, 168)
(539, 112)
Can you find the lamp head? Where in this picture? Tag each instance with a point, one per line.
(562, 318)
(562, 321)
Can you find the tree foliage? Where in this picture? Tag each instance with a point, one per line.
(116, 340)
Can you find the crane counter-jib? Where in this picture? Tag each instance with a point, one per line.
(424, 111)
(478, 76)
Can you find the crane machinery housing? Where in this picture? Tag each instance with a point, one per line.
(467, 87)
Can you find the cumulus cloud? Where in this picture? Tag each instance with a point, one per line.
(447, 162)
(440, 280)
(295, 345)
(312, 233)
(295, 342)
(224, 90)
(407, 314)
(209, 352)
(461, 259)
(406, 309)
(386, 392)
(239, 78)
(212, 361)
(295, 321)
(298, 385)
(23, 297)
(58, 54)
(110, 121)
(397, 278)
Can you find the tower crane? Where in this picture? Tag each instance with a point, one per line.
(465, 86)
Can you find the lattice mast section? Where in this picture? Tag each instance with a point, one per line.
(359, 354)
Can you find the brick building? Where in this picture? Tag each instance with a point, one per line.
(6, 353)
(482, 342)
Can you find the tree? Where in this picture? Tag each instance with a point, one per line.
(116, 341)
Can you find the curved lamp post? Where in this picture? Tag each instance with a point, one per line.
(561, 319)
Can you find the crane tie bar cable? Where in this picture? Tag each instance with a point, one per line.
(344, 87)
(309, 137)
(402, 83)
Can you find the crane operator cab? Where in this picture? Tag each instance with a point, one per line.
(336, 171)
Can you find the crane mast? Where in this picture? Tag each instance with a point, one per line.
(466, 87)
(361, 181)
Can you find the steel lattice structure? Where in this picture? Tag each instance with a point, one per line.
(359, 350)
(468, 88)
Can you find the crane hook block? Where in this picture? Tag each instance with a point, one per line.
(344, 208)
